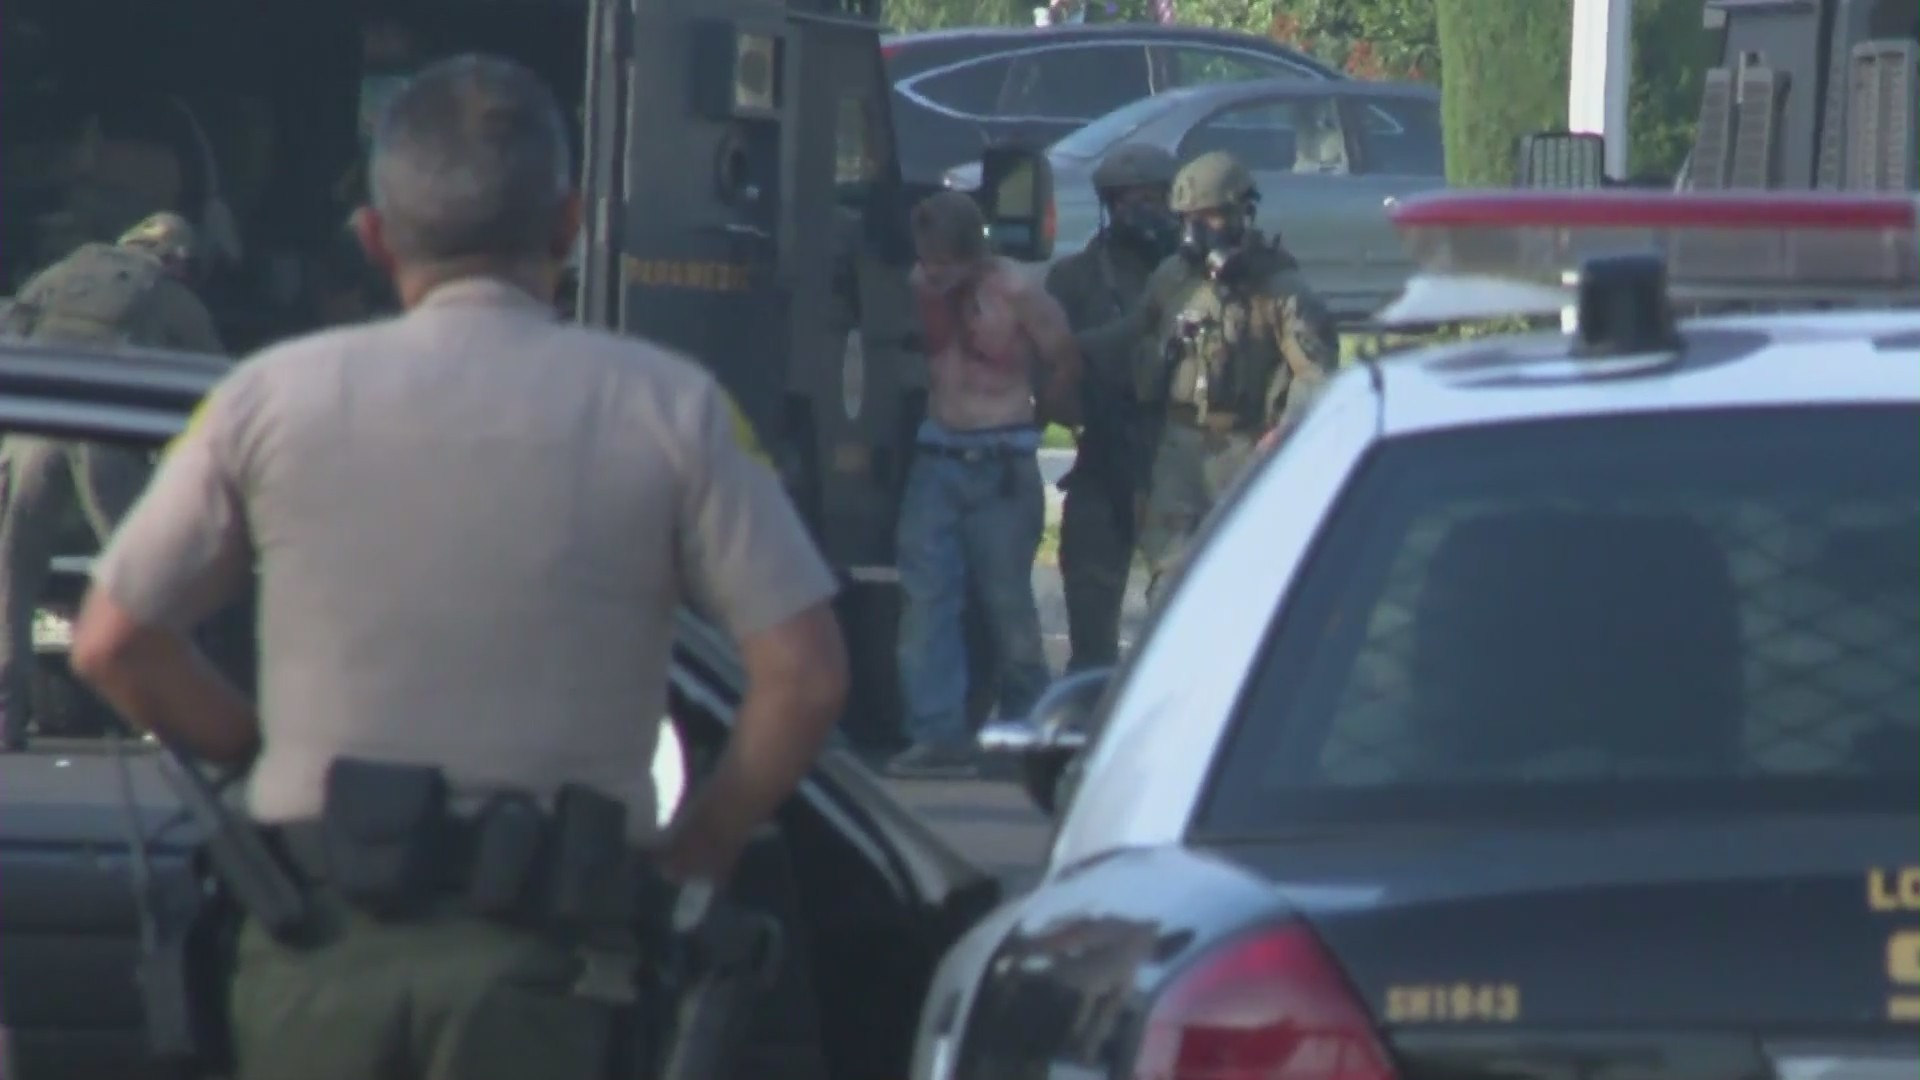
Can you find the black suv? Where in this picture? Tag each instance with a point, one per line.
(955, 90)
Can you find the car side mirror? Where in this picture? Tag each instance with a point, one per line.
(1047, 742)
(1016, 195)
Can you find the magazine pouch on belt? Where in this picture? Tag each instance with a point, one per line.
(593, 877)
(508, 839)
(383, 830)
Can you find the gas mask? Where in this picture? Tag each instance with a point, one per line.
(1145, 229)
(1202, 241)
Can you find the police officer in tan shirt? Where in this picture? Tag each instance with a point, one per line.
(472, 526)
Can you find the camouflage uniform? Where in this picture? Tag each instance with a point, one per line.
(61, 492)
(1228, 340)
(1111, 465)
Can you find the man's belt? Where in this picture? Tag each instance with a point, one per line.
(984, 452)
(1219, 423)
(386, 841)
(304, 845)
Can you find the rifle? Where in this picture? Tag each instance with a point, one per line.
(239, 855)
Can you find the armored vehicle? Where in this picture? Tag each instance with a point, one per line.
(1810, 94)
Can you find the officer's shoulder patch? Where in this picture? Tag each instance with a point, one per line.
(743, 433)
(194, 423)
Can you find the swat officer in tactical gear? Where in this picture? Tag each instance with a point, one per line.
(1115, 442)
(138, 291)
(1236, 347)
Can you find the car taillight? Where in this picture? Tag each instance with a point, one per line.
(1269, 1006)
(1050, 224)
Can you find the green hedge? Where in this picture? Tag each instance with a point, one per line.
(1506, 75)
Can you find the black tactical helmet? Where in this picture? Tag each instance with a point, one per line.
(1135, 165)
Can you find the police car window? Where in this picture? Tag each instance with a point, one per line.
(1401, 137)
(1704, 612)
(1266, 135)
(1075, 82)
(1192, 65)
(970, 89)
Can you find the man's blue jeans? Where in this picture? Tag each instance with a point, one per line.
(968, 523)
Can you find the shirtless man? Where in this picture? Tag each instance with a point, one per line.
(1001, 363)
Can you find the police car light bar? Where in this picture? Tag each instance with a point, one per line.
(1499, 253)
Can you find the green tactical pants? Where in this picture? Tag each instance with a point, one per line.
(1096, 555)
(1192, 468)
(446, 998)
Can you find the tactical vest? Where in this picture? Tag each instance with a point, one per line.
(1116, 301)
(1226, 365)
(94, 296)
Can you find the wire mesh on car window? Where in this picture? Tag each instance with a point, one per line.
(1821, 640)
(1730, 598)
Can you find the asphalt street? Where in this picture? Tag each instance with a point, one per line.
(991, 822)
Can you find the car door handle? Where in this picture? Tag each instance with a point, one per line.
(1389, 202)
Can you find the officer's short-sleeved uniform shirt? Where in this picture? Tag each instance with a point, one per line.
(472, 525)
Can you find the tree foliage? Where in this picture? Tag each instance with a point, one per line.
(1372, 39)
(911, 15)
(1671, 53)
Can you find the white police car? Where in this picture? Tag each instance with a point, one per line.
(1544, 704)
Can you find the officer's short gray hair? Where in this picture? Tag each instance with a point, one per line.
(470, 160)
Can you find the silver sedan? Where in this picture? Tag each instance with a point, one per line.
(1329, 158)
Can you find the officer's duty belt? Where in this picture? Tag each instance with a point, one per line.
(1220, 423)
(304, 845)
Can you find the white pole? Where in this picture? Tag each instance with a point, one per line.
(1601, 74)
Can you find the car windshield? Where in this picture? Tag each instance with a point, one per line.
(1714, 613)
(1093, 140)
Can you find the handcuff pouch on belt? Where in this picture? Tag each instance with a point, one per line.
(509, 836)
(382, 832)
(592, 877)
(391, 848)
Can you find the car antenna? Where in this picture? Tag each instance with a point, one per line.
(143, 896)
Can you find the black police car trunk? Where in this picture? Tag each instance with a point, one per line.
(1710, 947)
